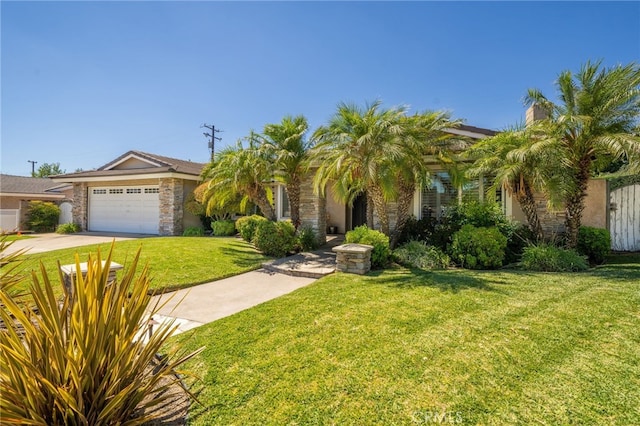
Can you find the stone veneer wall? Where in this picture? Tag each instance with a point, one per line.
(79, 211)
(313, 209)
(171, 206)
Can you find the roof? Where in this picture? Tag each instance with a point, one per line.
(138, 163)
(10, 184)
(480, 130)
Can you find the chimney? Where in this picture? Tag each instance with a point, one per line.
(534, 113)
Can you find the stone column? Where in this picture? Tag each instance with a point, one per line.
(353, 258)
(171, 206)
(313, 209)
(79, 211)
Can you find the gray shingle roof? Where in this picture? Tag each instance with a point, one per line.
(165, 164)
(10, 184)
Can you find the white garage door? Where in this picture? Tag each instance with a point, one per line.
(125, 209)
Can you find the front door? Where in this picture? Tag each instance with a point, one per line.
(359, 211)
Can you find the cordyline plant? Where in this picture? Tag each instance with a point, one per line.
(81, 360)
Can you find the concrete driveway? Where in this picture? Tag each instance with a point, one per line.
(46, 242)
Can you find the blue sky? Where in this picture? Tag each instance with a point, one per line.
(84, 82)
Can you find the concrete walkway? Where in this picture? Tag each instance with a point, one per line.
(208, 302)
(39, 243)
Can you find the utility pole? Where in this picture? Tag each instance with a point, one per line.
(212, 135)
(33, 167)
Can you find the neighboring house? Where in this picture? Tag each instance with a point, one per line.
(137, 192)
(17, 191)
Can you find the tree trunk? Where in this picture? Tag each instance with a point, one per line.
(381, 207)
(575, 205)
(405, 196)
(259, 197)
(524, 196)
(369, 210)
(293, 192)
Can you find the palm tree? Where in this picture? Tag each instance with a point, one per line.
(285, 142)
(498, 157)
(238, 170)
(423, 135)
(595, 119)
(352, 150)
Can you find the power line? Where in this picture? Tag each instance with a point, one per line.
(33, 166)
(212, 135)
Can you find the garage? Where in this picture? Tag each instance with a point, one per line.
(133, 209)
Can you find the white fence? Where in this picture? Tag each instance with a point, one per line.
(624, 218)
(9, 220)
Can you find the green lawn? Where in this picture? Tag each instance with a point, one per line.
(175, 262)
(410, 347)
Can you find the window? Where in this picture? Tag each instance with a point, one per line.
(152, 190)
(99, 191)
(116, 191)
(285, 209)
(441, 193)
(438, 195)
(134, 191)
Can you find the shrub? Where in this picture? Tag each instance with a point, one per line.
(247, 225)
(81, 360)
(193, 231)
(223, 228)
(518, 236)
(274, 238)
(417, 254)
(306, 239)
(42, 216)
(595, 243)
(68, 228)
(478, 248)
(418, 230)
(476, 213)
(380, 242)
(548, 258)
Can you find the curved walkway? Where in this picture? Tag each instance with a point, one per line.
(208, 302)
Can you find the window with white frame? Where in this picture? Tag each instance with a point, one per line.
(285, 209)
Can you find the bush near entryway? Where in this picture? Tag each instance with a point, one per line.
(274, 238)
(478, 248)
(380, 242)
(42, 216)
(247, 225)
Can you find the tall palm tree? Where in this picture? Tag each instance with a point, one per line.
(423, 135)
(240, 170)
(497, 157)
(286, 143)
(351, 151)
(594, 119)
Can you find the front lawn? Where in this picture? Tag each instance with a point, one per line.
(175, 262)
(411, 347)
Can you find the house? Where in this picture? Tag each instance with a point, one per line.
(137, 192)
(17, 191)
(328, 214)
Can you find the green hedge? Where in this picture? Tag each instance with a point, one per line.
(363, 235)
(478, 248)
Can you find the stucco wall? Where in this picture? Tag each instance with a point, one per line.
(336, 213)
(189, 219)
(596, 204)
(595, 213)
